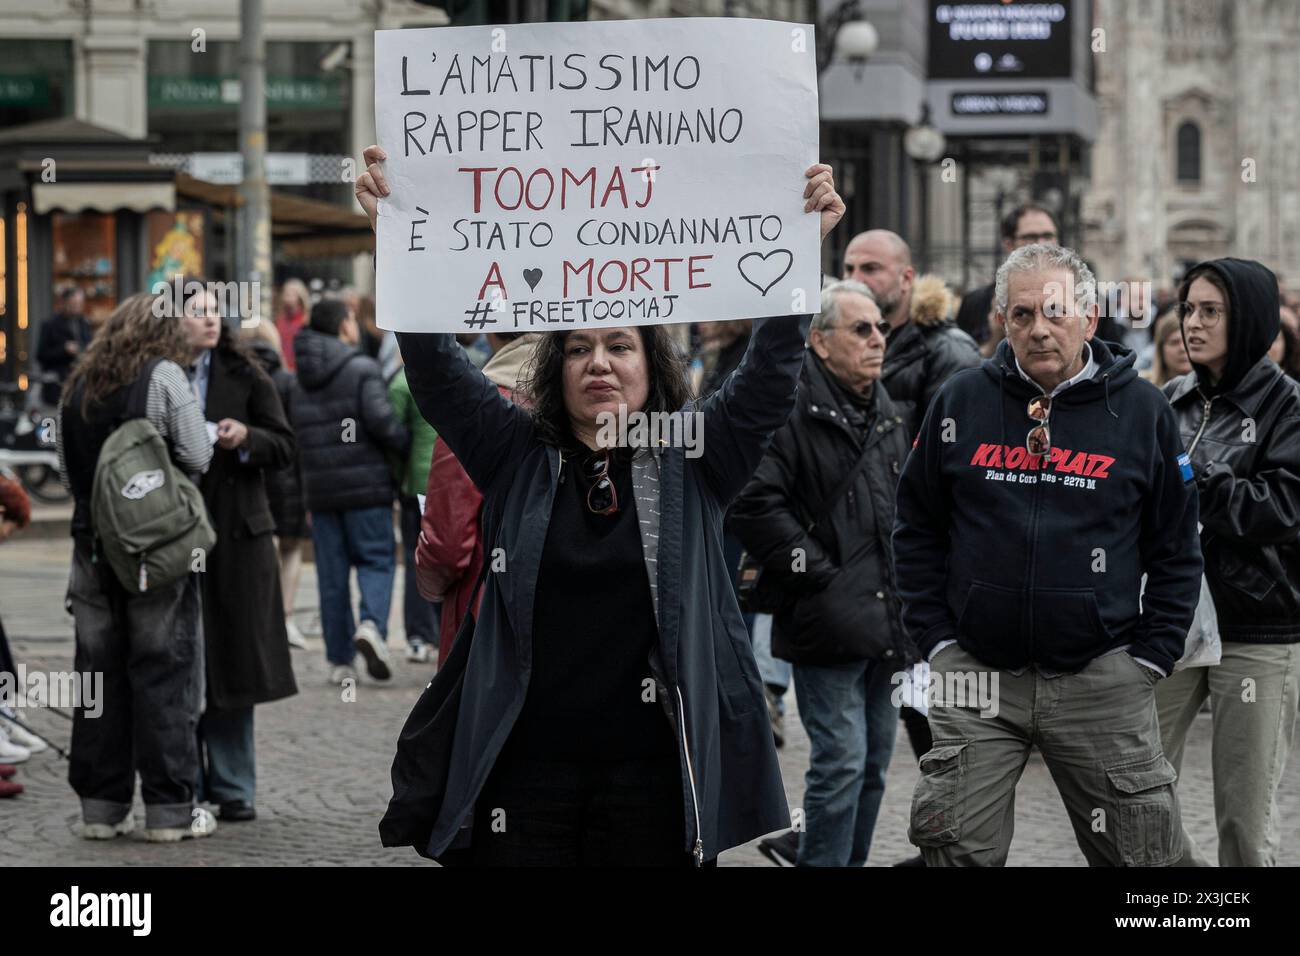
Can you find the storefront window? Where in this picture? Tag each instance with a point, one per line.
(85, 257)
(35, 80)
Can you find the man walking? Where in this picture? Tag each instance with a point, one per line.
(818, 513)
(922, 355)
(1041, 488)
(64, 336)
(345, 426)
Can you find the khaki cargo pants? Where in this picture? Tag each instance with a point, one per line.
(1254, 693)
(1098, 735)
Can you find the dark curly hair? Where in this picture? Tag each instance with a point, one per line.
(134, 334)
(542, 381)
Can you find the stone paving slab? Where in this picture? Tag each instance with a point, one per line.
(323, 763)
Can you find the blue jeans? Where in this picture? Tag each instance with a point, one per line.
(772, 670)
(230, 769)
(851, 723)
(360, 538)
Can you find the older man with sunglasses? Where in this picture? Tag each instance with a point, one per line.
(1042, 487)
(818, 514)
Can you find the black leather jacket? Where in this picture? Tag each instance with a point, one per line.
(845, 603)
(1244, 446)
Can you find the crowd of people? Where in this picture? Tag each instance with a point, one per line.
(1086, 517)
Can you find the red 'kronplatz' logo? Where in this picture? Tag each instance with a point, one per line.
(1060, 460)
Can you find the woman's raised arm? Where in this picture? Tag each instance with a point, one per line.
(487, 432)
(756, 398)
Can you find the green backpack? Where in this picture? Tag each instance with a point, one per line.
(148, 516)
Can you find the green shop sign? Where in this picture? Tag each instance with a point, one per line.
(222, 92)
(24, 90)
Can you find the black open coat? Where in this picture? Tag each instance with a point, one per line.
(247, 651)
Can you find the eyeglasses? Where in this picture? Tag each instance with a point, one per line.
(602, 499)
(1209, 312)
(1030, 238)
(863, 329)
(1039, 439)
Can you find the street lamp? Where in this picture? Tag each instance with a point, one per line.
(924, 144)
(845, 35)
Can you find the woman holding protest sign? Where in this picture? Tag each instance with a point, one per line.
(607, 710)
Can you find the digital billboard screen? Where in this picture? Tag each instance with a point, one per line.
(1010, 40)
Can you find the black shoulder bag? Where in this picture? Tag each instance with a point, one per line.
(423, 759)
(760, 593)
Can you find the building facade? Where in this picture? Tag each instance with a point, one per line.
(1198, 154)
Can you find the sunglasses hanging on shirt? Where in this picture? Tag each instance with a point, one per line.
(602, 499)
(1039, 439)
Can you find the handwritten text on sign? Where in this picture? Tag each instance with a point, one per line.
(548, 176)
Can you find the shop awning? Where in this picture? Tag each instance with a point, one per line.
(302, 228)
(102, 197)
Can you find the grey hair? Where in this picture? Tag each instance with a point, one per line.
(825, 320)
(1042, 257)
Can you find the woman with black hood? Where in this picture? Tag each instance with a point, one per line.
(1239, 416)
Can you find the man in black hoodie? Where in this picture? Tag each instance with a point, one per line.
(346, 428)
(1041, 488)
(1240, 417)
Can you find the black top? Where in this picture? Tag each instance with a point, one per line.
(593, 629)
(84, 437)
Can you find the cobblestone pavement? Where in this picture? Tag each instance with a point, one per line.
(323, 764)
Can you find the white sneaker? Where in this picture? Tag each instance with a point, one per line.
(28, 741)
(295, 636)
(11, 752)
(372, 647)
(342, 672)
(417, 652)
(203, 824)
(107, 831)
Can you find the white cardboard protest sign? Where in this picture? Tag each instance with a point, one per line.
(556, 175)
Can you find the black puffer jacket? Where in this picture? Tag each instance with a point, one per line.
(1243, 437)
(845, 606)
(344, 424)
(283, 485)
(922, 354)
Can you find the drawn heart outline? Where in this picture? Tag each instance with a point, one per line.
(759, 264)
